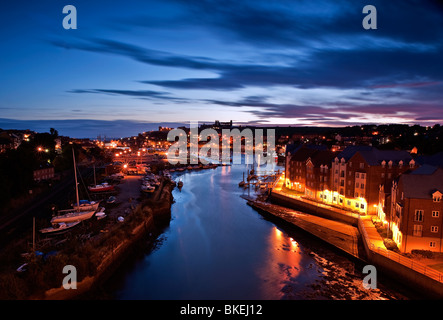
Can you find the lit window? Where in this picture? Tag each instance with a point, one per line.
(432, 244)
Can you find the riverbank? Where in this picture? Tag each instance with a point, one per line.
(416, 275)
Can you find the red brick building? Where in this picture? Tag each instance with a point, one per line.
(368, 170)
(350, 179)
(416, 211)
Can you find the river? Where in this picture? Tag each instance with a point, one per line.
(216, 247)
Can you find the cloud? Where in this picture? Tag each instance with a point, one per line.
(393, 71)
(142, 94)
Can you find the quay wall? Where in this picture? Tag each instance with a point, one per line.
(312, 208)
(412, 274)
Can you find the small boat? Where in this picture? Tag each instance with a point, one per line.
(100, 214)
(241, 183)
(111, 200)
(101, 187)
(59, 227)
(180, 184)
(22, 268)
(189, 167)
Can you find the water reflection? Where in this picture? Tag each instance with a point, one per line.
(217, 247)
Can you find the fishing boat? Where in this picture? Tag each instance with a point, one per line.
(76, 214)
(60, 227)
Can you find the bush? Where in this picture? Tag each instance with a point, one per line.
(424, 253)
(390, 244)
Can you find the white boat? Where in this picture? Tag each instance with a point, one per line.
(72, 216)
(100, 214)
(59, 227)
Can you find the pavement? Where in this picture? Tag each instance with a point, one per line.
(341, 235)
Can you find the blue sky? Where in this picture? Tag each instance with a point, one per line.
(251, 61)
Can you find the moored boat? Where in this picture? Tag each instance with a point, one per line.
(59, 227)
(76, 214)
(101, 187)
(72, 216)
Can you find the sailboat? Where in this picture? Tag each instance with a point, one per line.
(72, 215)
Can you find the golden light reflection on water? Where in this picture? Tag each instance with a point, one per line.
(283, 263)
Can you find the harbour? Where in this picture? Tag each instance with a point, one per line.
(216, 242)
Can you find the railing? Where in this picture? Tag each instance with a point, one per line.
(409, 263)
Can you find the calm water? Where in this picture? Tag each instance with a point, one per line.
(217, 247)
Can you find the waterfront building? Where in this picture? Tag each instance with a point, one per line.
(416, 211)
(295, 165)
(351, 179)
(369, 169)
(318, 175)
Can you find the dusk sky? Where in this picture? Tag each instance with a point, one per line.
(251, 61)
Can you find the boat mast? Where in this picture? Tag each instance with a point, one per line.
(76, 183)
(95, 180)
